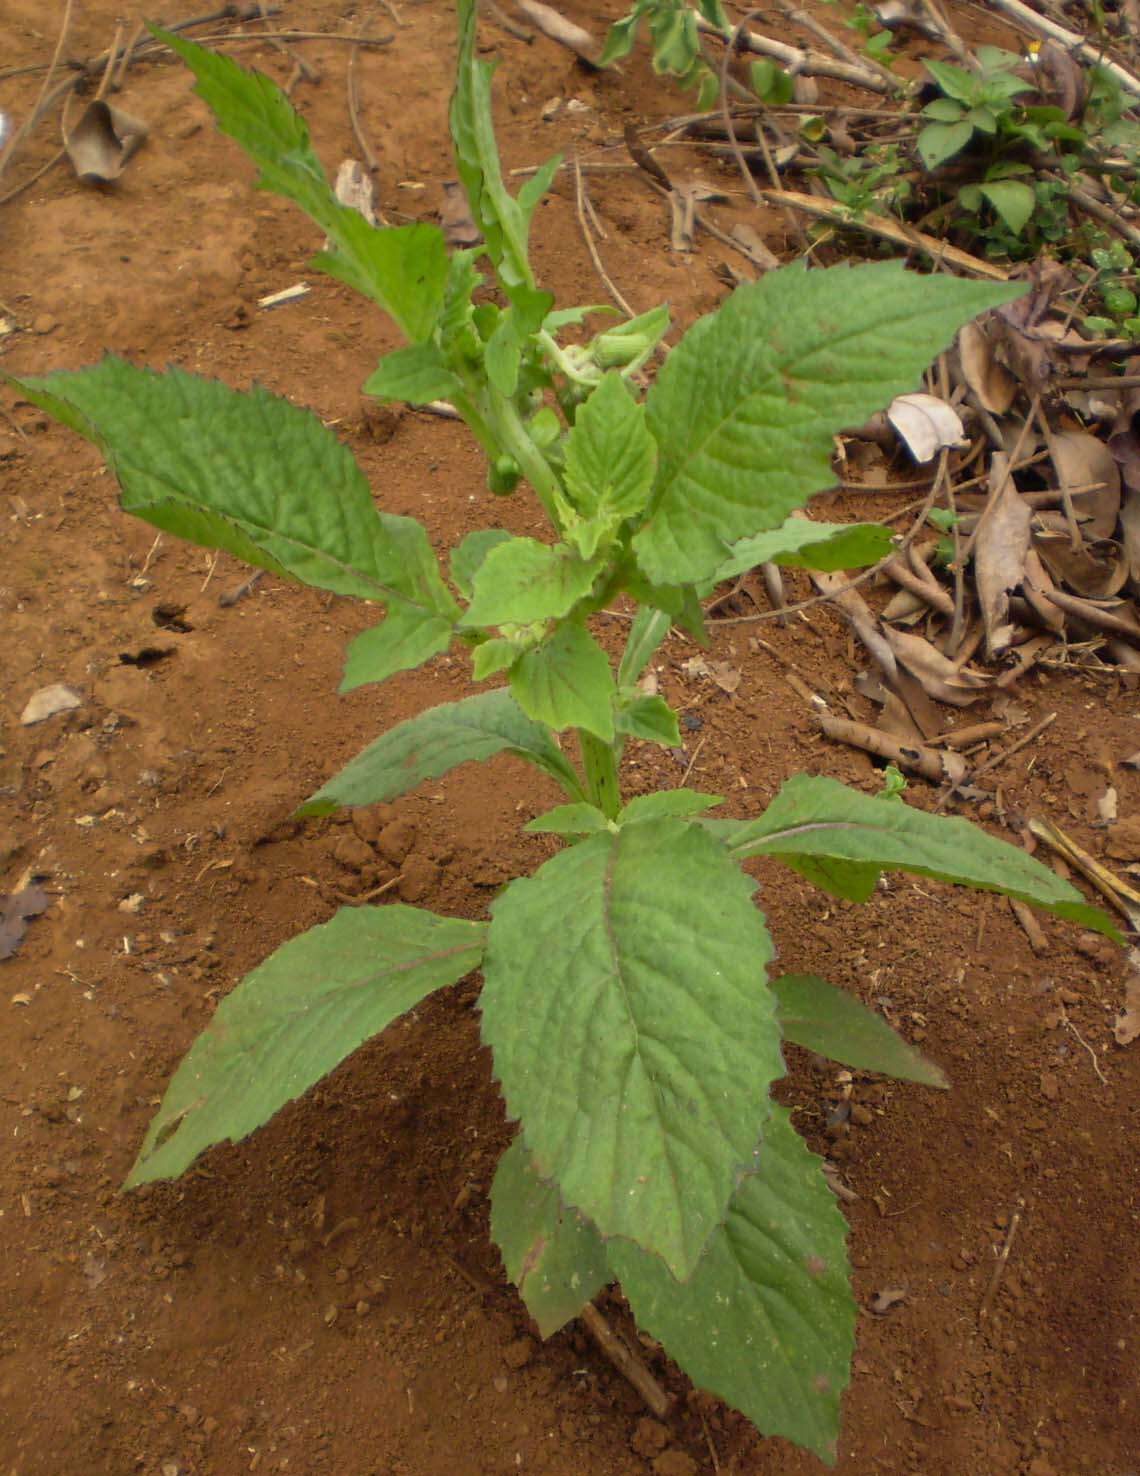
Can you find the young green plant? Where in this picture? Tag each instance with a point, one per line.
(626, 999)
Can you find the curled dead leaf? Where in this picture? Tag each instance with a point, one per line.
(555, 25)
(983, 371)
(999, 555)
(103, 140)
(1087, 468)
(939, 677)
(926, 424)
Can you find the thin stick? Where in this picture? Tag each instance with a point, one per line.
(1123, 898)
(277, 41)
(696, 755)
(999, 1269)
(1007, 753)
(354, 113)
(626, 1362)
(43, 101)
(799, 61)
(298, 36)
(889, 230)
(1082, 1041)
(580, 202)
(1039, 25)
(1092, 206)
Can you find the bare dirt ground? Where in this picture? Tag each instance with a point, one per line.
(324, 1298)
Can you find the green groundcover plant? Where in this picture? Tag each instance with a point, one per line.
(626, 998)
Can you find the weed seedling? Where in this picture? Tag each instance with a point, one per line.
(627, 1003)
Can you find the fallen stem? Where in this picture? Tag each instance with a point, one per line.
(626, 1362)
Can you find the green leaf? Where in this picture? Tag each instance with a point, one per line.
(415, 375)
(650, 719)
(1013, 201)
(552, 1255)
(500, 217)
(610, 460)
(619, 41)
(641, 1066)
(513, 331)
(767, 1320)
(745, 407)
(630, 343)
(467, 556)
(938, 142)
(403, 268)
(493, 656)
(954, 81)
(820, 819)
(521, 581)
(295, 1017)
(581, 819)
(566, 682)
(439, 739)
(802, 544)
(253, 474)
(833, 1023)
(942, 110)
(649, 629)
(667, 802)
(405, 639)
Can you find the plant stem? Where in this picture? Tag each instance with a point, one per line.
(600, 763)
(512, 435)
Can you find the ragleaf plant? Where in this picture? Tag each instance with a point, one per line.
(626, 998)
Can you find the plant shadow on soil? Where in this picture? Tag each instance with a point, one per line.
(324, 1297)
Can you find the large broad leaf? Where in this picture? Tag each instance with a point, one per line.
(833, 1023)
(403, 268)
(429, 745)
(523, 581)
(745, 407)
(251, 473)
(802, 544)
(816, 819)
(295, 1017)
(610, 461)
(554, 1257)
(633, 1031)
(566, 682)
(767, 1321)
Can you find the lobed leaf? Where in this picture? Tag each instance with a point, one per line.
(402, 268)
(295, 1017)
(815, 819)
(554, 1256)
(745, 407)
(833, 1023)
(439, 739)
(641, 1066)
(767, 1320)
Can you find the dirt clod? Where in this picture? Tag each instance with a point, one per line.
(650, 1438)
(674, 1463)
(518, 1354)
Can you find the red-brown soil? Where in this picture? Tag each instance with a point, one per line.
(323, 1298)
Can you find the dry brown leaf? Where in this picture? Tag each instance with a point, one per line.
(986, 375)
(999, 555)
(1130, 528)
(555, 25)
(895, 717)
(939, 677)
(753, 247)
(938, 765)
(103, 140)
(1126, 1028)
(15, 910)
(1094, 569)
(1063, 83)
(1083, 461)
